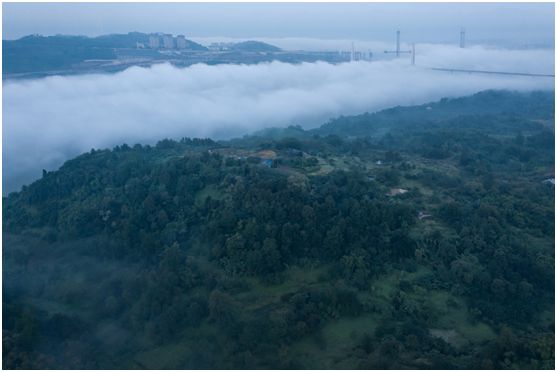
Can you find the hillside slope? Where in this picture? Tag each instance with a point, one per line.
(36, 53)
(427, 245)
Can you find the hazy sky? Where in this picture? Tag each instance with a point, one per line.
(508, 23)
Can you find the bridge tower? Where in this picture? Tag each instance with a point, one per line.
(398, 51)
(397, 43)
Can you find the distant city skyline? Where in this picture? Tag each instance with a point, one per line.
(505, 23)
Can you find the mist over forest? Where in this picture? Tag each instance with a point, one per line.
(50, 120)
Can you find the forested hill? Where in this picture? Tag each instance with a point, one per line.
(410, 238)
(254, 46)
(36, 53)
(483, 103)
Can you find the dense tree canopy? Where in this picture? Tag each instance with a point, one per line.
(428, 245)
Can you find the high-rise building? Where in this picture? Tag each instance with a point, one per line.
(167, 41)
(181, 42)
(154, 42)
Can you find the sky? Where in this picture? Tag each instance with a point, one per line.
(511, 24)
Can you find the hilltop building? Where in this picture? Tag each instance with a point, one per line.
(181, 42)
(154, 41)
(355, 55)
(168, 41)
(221, 46)
(266, 154)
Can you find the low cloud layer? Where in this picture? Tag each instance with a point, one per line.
(50, 120)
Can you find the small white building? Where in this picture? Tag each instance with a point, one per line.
(422, 215)
(220, 46)
(395, 192)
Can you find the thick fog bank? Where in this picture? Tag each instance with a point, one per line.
(50, 120)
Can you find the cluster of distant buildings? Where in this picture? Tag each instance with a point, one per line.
(355, 55)
(220, 46)
(165, 41)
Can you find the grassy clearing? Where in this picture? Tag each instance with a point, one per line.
(209, 192)
(334, 342)
(169, 356)
(449, 313)
(261, 294)
(453, 314)
(342, 332)
(547, 317)
(173, 355)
